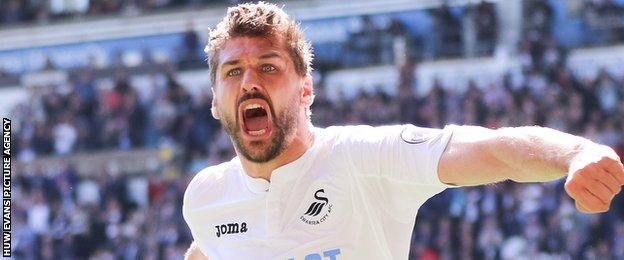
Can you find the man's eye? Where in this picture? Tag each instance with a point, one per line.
(268, 68)
(233, 72)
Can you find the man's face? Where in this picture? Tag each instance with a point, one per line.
(258, 96)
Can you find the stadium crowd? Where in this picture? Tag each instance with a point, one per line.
(67, 215)
(15, 12)
(112, 215)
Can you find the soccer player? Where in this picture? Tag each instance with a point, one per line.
(295, 191)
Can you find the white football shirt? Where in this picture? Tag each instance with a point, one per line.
(353, 195)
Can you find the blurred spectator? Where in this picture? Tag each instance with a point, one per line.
(539, 19)
(448, 27)
(64, 136)
(604, 21)
(66, 8)
(364, 45)
(12, 11)
(191, 50)
(16, 12)
(486, 22)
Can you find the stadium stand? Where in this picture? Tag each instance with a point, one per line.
(110, 131)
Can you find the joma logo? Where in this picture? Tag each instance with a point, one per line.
(231, 228)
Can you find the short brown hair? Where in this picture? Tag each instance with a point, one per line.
(260, 20)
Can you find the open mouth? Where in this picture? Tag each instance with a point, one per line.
(256, 119)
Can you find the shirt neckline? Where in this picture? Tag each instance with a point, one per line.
(282, 174)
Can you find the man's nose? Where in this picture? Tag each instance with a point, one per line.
(251, 82)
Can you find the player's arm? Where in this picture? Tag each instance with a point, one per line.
(476, 155)
(193, 253)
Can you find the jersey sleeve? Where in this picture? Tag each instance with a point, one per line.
(396, 166)
(199, 191)
(404, 153)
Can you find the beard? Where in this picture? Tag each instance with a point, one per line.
(284, 125)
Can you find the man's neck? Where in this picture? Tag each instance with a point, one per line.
(303, 140)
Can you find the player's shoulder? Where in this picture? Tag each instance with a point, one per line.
(380, 135)
(210, 184)
(361, 133)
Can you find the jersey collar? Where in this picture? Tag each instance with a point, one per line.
(284, 174)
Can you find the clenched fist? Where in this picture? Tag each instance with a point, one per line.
(595, 177)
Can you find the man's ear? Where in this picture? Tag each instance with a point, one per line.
(214, 110)
(307, 92)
